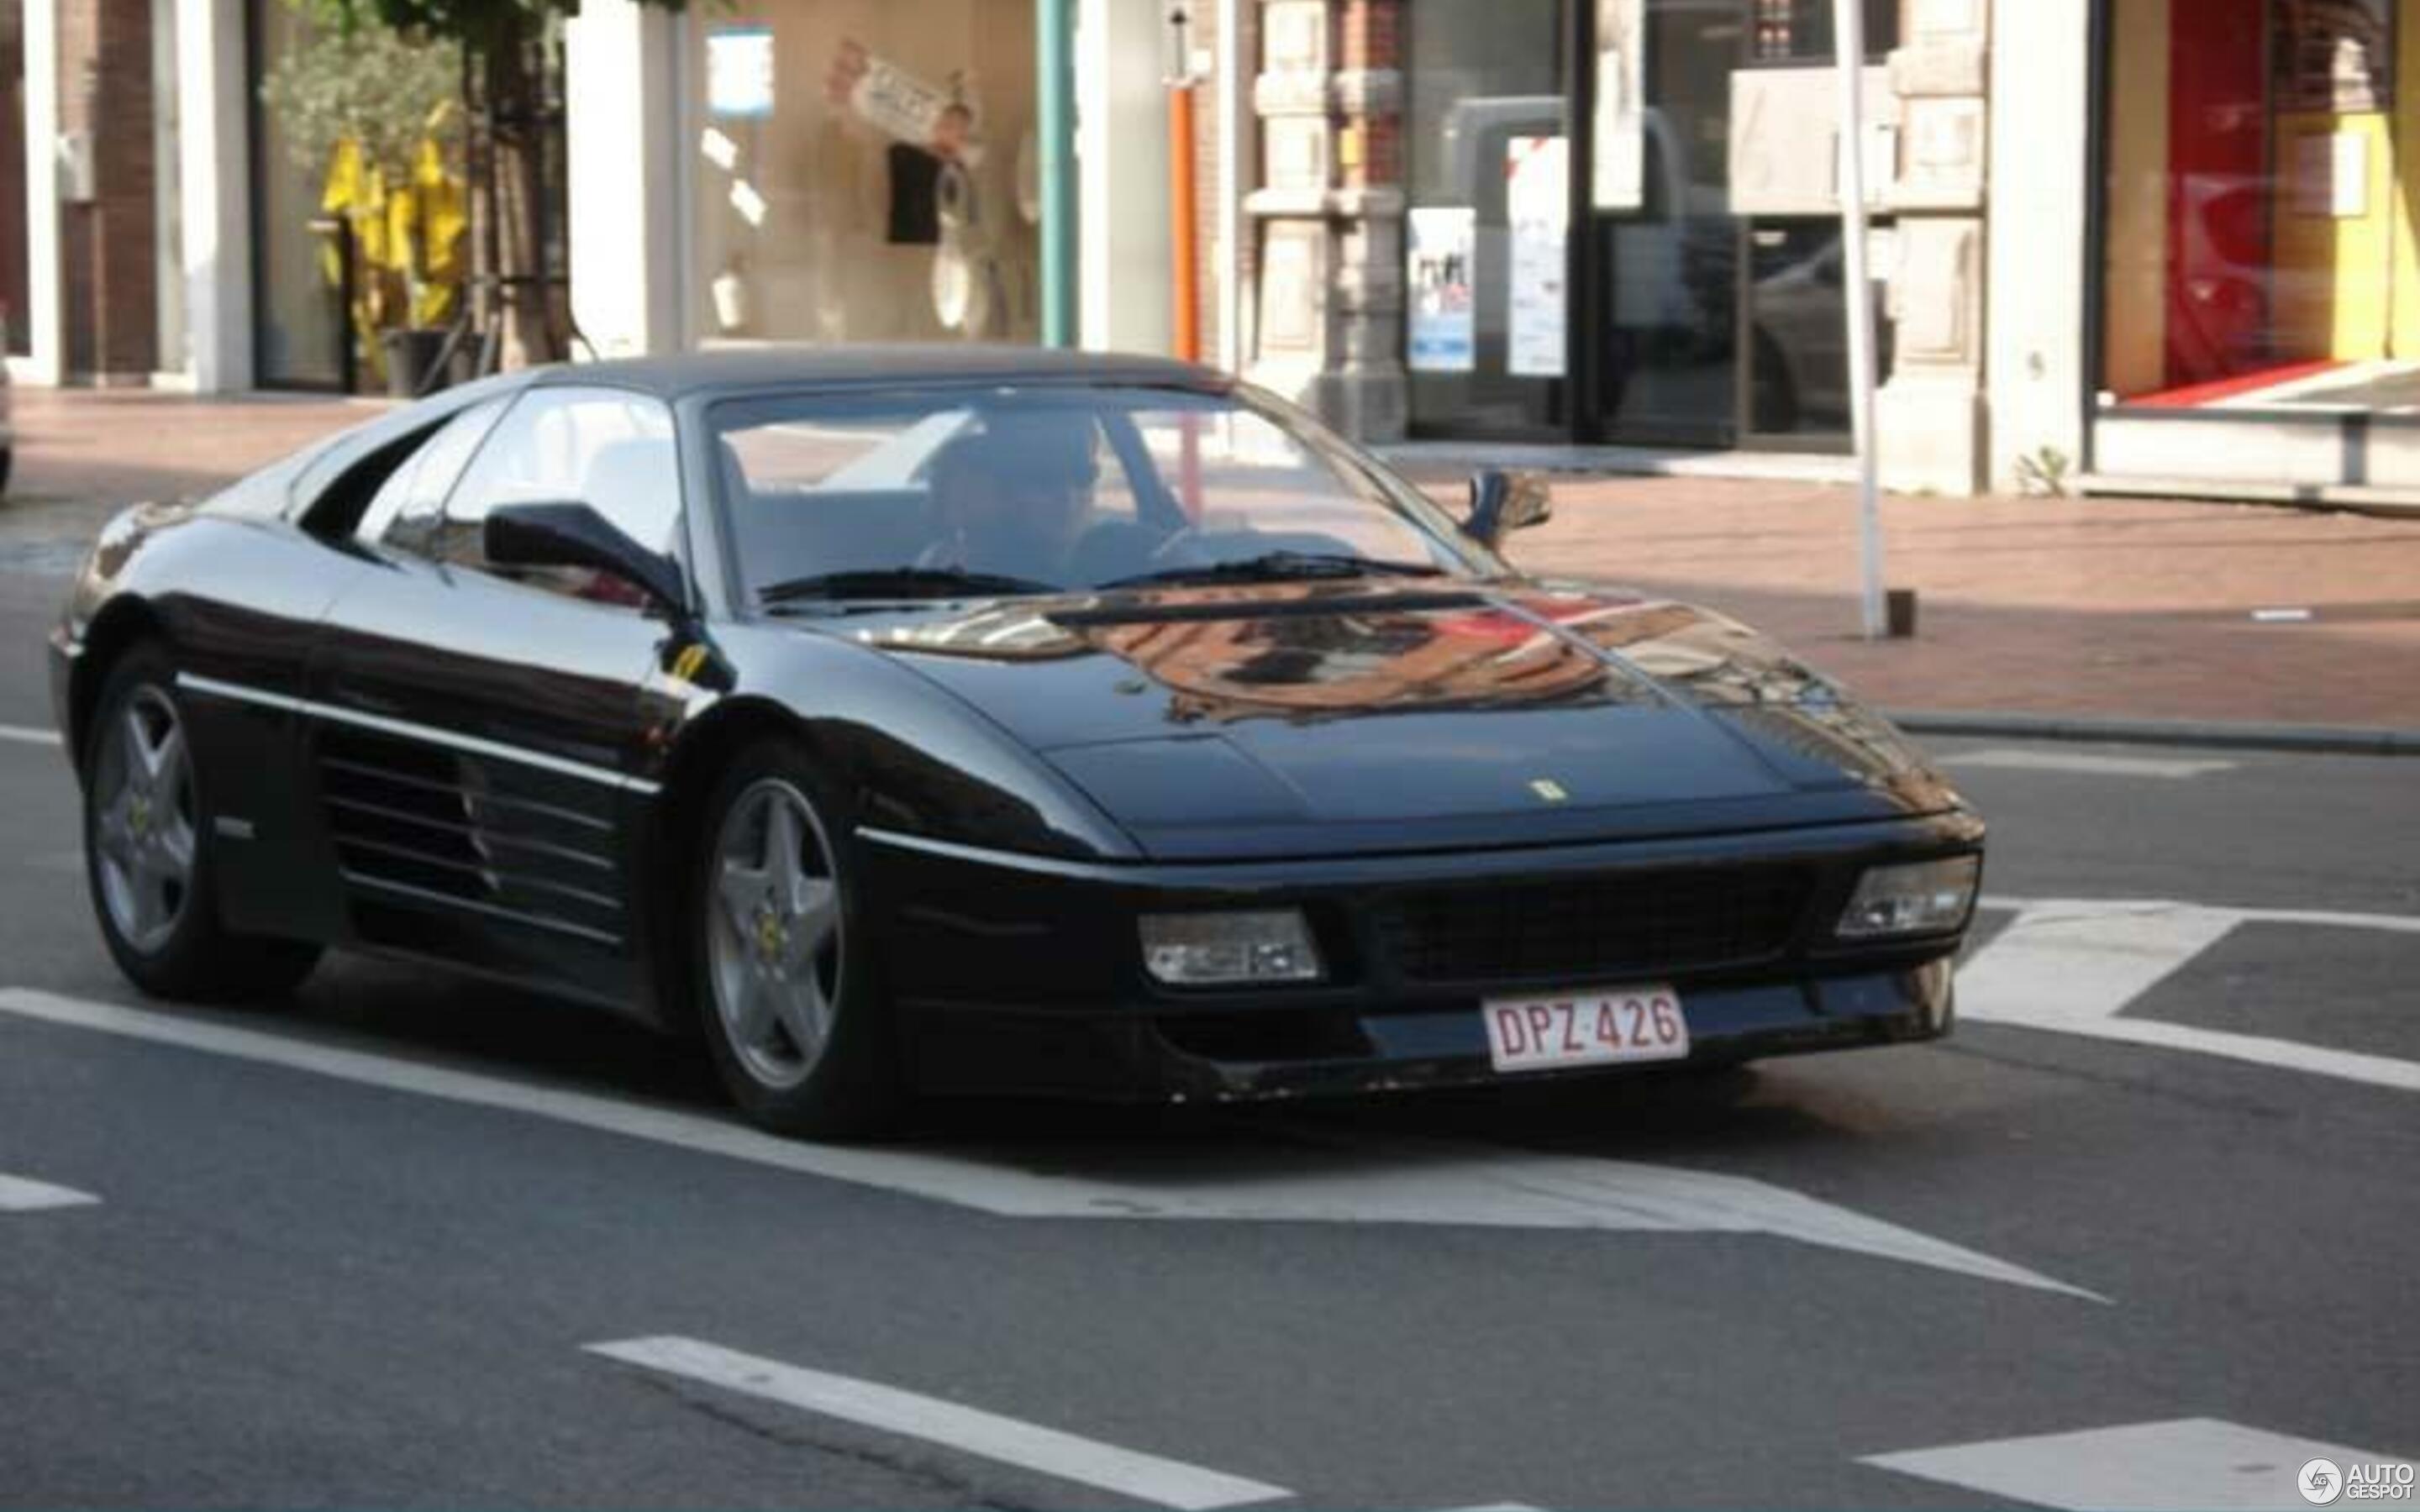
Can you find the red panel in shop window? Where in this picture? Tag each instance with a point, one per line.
(2218, 191)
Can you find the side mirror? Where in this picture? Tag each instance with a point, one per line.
(1502, 502)
(574, 535)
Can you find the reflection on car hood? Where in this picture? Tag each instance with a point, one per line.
(1415, 712)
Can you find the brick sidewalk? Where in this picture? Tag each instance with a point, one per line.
(84, 453)
(2091, 607)
(2101, 607)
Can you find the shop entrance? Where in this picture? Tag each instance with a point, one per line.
(1677, 307)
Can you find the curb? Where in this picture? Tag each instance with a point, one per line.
(2358, 740)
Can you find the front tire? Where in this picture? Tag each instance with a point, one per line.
(147, 860)
(785, 977)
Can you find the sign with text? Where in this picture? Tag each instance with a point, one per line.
(1537, 200)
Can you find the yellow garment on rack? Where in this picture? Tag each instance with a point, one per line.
(444, 217)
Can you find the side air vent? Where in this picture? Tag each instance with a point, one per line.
(416, 823)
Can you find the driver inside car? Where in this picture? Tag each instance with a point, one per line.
(1013, 497)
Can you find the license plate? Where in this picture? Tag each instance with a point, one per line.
(1595, 1028)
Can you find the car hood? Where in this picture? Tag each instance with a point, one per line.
(1331, 717)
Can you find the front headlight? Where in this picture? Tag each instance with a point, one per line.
(1229, 949)
(1925, 898)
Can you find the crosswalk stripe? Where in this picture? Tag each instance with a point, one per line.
(2259, 1050)
(2313, 917)
(2089, 764)
(2195, 1462)
(2059, 964)
(1436, 1183)
(2073, 966)
(970, 1430)
(19, 1193)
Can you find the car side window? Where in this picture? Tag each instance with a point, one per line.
(606, 448)
(403, 515)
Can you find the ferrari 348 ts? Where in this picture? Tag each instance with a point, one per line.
(910, 721)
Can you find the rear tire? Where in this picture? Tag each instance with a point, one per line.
(786, 984)
(147, 862)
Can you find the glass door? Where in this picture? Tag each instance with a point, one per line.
(1706, 328)
(1488, 170)
(1665, 249)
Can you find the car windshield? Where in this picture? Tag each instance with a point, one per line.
(1049, 488)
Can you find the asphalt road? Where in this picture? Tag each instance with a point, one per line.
(410, 1241)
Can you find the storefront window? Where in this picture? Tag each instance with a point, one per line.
(2260, 251)
(864, 171)
(300, 340)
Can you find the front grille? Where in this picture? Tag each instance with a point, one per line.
(1611, 925)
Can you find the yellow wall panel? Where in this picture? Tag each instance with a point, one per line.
(2405, 338)
(2338, 214)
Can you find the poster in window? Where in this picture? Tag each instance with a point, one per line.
(1443, 337)
(907, 109)
(1617, 140)
(1536, 201)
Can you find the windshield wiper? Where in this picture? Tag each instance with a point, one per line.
(898, 582)
(1282, 566)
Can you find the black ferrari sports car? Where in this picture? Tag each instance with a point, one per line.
(934, 721)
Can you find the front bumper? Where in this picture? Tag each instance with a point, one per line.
(1017, 974)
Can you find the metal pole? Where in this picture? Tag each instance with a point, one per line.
(1054, 51)
(1849, 34)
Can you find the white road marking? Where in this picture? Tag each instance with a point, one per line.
(2196, 1462)
(1275, 1179)
(969, 1430)
(20, 1194)
(2059, 964)
(2073, 966)
(2322, 917)
(24, 734)
(2092, 763)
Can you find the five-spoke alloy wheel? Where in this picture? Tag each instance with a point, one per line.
(791, 1013)
(774, 933)
(143, 794)
(146, 852)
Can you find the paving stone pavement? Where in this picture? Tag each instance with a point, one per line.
(2091, 608)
